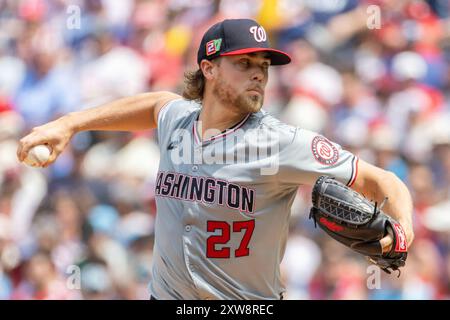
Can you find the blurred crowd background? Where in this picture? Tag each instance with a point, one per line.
(380, 90)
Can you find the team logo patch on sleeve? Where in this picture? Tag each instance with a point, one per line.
(324, 151)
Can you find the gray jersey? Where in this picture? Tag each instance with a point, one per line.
(222, 225)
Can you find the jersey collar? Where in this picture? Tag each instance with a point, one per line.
(221, 135)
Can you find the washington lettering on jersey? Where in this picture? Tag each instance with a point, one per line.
(205, 189)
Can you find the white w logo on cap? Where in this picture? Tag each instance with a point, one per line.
(258, 33)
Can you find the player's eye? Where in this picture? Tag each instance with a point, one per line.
(244, 63)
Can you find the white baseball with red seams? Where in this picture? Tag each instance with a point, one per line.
(38, 156)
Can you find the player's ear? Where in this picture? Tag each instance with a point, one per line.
(209, 69)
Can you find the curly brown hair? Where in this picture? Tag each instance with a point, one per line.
(194, 88)
(194, 83)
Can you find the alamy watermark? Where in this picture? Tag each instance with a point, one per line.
(374, 17)
(74, 17)
(73, 281)
(241, 147)
(374, 277)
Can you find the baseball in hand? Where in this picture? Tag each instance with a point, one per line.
(38, 156)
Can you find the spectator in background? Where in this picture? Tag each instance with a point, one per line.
(382, 93)
(42, 281)
(48, 81)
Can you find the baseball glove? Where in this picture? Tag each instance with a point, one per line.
(357, 223)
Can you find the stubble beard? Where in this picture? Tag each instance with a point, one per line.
(246, 103)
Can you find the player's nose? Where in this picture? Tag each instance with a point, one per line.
(258, 75)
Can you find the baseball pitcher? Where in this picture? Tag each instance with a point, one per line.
(229, 171)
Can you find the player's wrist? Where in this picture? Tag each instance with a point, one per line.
(386, 243)
(408, 229)
(70, 123)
